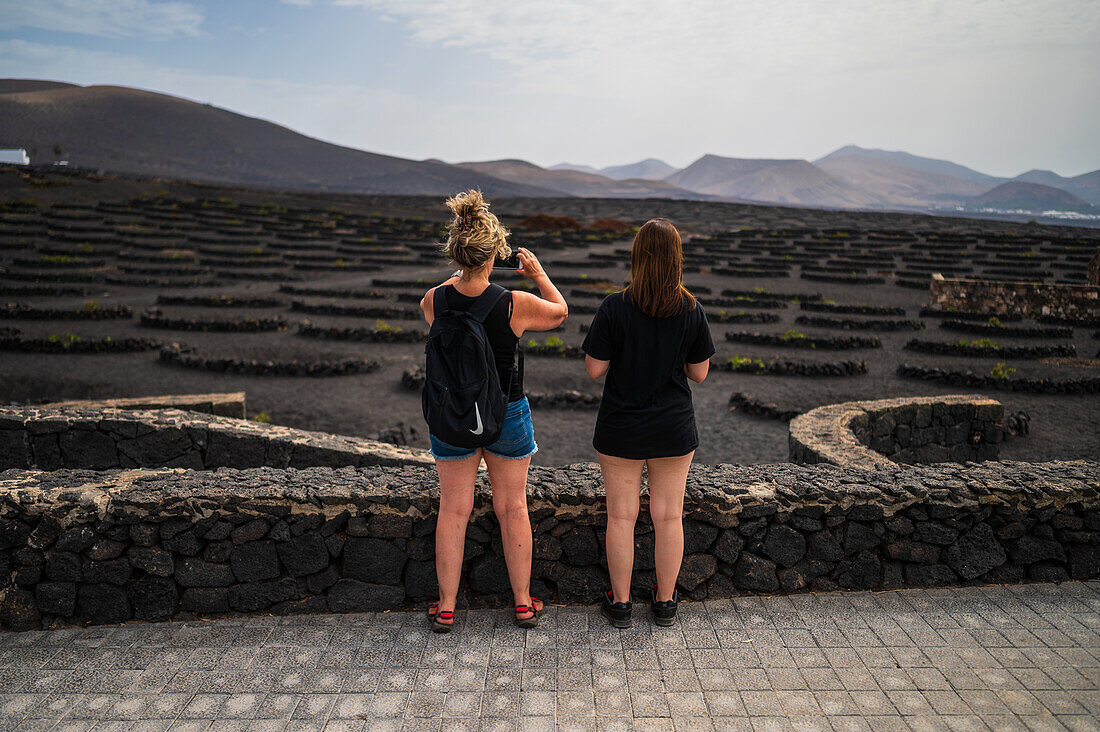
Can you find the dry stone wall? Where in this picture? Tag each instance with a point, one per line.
(1023, 299)
(94, 528)
(57, 436)
(878, 434)
(84, 546)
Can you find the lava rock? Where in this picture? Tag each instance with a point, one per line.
(76, 539)
(152, 560)
(975, 553)
(785, 545)
(929, 575)
(933, 532)
(1047, 572)
(56, 598)
(321, 581)
(45, 533)
(824, 546)
(252, 596)
(197, 573)
(858, 537)
(114, 571)
(913, 551)
(580, 546)
(64, 567)
(489, 575)
(351, 595)
(145, 534)
(583, 584)
(106, 549)
(154, 598)
(254, 561)
(184, 543)
(729, 546)
(303, 555)
(252, 531)
(218, 551)
(698, 536)
(389, 526)
(103, 603)
(755, 573)
(205, 600)
(546, 547)
(1084, 562)
(1029, 549)
(420, 581)
(696, 569)
(18, 610)
(861, 572)
(373, 561)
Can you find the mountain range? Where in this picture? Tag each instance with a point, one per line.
(137, 132)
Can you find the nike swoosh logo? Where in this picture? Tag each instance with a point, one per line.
(477, 413)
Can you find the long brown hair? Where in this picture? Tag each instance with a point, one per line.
(657, 270)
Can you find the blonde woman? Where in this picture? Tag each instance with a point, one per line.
(649, 340)
(476, 239)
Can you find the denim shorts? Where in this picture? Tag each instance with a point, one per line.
(516, 441)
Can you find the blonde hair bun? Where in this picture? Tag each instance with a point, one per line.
(475, 235)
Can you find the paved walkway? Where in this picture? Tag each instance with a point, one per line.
(1017, 657)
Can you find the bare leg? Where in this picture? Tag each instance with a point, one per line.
(509, 480)
(456, 501)
(622, 481)
(667, 477)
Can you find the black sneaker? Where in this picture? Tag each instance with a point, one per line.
(617, 613)
(664, 613)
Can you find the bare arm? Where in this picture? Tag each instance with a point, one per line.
(697, 372)
(595, 367)
(544, 311)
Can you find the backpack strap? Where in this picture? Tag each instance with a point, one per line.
(486, 301)
(439, 301)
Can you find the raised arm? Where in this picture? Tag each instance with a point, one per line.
(544, 311)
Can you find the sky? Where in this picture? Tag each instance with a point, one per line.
(1002, 86)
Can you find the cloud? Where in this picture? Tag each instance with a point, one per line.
(108, 18)
(782, 77)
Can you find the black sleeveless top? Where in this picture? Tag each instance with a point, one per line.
(499, 330)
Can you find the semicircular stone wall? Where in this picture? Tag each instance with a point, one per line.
(324, 523)
(881, 433)
(98, 436)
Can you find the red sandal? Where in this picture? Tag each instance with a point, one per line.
(438, 627)
(532, 621)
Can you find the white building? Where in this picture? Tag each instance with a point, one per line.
(14, 156)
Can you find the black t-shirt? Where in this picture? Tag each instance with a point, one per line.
(646, 410)
(498, 328)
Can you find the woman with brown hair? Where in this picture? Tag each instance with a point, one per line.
(649, 340)
(476, 239)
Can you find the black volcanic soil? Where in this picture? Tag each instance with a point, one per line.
(1062, 426)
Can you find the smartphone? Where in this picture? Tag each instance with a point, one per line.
(510, 262)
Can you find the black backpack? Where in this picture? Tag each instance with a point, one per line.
(464, 404)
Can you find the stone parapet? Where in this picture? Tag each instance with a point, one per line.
(1025, 299)
(55, 436)
(154, 544)
(877, 434)
(225, 404)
